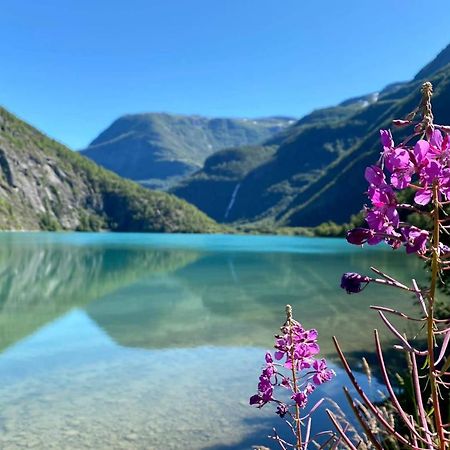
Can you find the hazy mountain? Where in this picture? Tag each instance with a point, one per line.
(316, 172)
(44, 185)
(158, 149)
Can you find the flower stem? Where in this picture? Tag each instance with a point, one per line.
(430, 320)
(294, 378)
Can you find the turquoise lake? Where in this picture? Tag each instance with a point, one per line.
(151, 341)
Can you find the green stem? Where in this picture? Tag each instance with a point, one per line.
(430, 320)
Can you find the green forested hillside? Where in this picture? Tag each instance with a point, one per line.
(316, 173)
(44, 185)
(221, 176)
(158, 149)
(339, 192)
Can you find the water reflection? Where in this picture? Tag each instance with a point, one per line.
(42, 280)
(238, 299)
(150, 342)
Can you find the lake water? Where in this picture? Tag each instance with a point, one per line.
(134, 341)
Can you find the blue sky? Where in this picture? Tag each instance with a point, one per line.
(70, 67)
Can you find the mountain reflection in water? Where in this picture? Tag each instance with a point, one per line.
(156, 341)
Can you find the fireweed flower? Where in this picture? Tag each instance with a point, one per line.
(422, 166)
(440, 146)
(433, 172)
(354, 282)
(282, 410)
(444, 250)
(299, 342)
(321, 372)
(415, 239)
(294, 368)
(421, 163)
(301, 398)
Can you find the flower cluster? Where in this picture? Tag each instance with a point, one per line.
(293, 367)
(420, 164)
(422, 167)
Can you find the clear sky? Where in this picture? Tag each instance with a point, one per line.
(70, 67)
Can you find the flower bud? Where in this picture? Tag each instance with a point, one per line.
(418, 128)
(411, 115)
(359, 236)
(352, 282)
(400, 123)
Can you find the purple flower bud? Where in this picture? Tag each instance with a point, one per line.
(359, 236)
(352, 282)
(256, 400)
(282, 410)
(268, 358)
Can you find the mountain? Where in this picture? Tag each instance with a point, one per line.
(158, 149)
(316, 172)
(44, 185)
(215, 187)
(441, 60)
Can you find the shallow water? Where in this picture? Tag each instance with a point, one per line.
(132, 341)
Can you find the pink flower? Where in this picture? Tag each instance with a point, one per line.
(399, 163)
(300, 398)
(322, 373)
(415, 239)
(398, 159)
(433, 172)
(383, 219)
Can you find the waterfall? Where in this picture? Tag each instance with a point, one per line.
(232, 200)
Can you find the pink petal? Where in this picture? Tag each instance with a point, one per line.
(374, 175)
(423, 196)
(386, 138)
(420, 150)
(436, 139)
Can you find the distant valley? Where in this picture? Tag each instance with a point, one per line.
(159, 149)
(272, 172)
(269, 173)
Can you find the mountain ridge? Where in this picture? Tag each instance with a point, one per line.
(45, 185)
(158, 149)
(301, 184)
